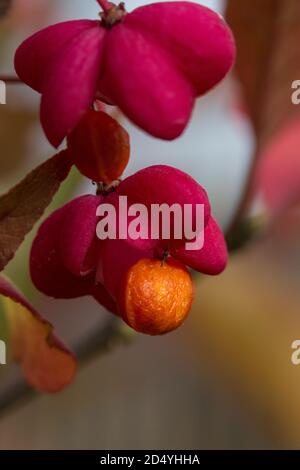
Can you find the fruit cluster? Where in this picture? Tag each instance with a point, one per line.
(132, 278)
(151, 63)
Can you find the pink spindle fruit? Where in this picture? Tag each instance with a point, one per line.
(68, 261)
(152, 63)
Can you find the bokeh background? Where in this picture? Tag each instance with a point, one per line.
(225, 379)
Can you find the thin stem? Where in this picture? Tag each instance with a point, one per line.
(246, 198)
(100, 341)
(105, 5)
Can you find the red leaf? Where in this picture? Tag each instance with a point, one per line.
(24, 204)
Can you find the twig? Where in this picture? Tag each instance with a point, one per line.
(245, 202)
(10, 80)
(100, 341)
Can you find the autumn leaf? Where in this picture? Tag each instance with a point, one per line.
(24, 204)
(268, 59)
(47, 365)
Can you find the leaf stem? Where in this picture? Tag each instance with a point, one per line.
(100, 341)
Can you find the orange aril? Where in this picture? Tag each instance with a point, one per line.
(156, 296)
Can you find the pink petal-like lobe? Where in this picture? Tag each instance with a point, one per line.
(77, 240)
(117, 256)
(197, 39)
(34, 57)
(160, 58)
(142, 80)
(212, 258)
(100, 293)
(51, 255)
(48, 272)
(163, 184)
(71, 83)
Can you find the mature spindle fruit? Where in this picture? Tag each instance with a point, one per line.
(124, 274)
(152, 63)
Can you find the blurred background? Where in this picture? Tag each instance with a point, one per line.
(225, 379)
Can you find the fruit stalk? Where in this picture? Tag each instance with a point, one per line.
(104, 4)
